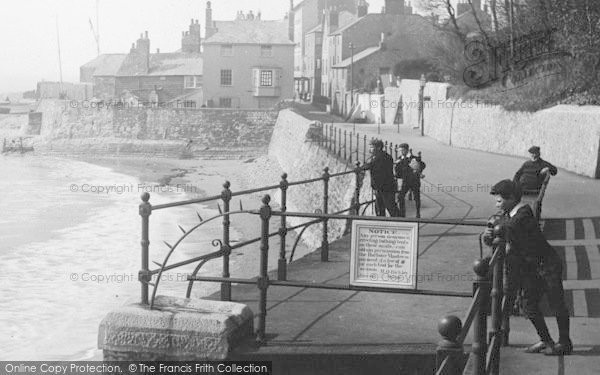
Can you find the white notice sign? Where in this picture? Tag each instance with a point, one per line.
(384, 254)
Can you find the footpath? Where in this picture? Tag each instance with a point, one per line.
(349, 332)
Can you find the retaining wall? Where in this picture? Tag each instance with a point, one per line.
(568, 135)
(302, 158)
(69, 125)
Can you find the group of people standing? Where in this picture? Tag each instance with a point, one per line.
(534, 267)
(390, 195)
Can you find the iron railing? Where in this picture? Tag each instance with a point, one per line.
(224, 244)
(263, 282)
(490, 291)
(492, 296)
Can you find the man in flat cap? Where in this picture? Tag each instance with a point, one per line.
(532, 173)
(383, 182)
(534, 265)
(408, 168)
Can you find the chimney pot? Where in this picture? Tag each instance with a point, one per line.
(146, 34)
(158, 50)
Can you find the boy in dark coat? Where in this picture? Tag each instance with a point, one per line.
(532, 260)
(383, 182)
(532, 173)
(409, 168)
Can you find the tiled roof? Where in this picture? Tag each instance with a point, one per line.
(106, 64)
(250, 32)
(357, 57)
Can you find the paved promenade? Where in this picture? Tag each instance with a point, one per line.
(456, 185)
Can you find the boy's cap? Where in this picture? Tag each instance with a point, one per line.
(506, 188)
(534, 150)
(404, 145)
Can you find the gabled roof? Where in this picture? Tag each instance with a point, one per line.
(250, 32)
(357, 57)
(106, 64)
(356, 21)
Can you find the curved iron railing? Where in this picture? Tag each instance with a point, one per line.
(225, 247)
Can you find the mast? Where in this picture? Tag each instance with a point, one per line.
(59, 57)
(98, 27)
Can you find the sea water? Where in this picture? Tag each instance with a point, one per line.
(70, 253)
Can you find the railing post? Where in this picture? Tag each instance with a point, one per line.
(226, 197)
(391, 149)
(350, 151)
(331, 140)
(281, 265)
(325, 241)
(145, 210)
(396, 152)
(334, 141)
(496, 295)
(449, 328)
(322, 140)
(345, 145)
(509, 298)
(263, 278)
(339, 153)
(357, 186)
(364, 149)
(357, 145)
(479, 348)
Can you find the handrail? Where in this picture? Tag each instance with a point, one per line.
(376, 218)
(244, 192)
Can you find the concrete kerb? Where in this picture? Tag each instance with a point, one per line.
(177, 329)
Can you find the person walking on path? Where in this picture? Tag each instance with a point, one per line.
(408, 168)
(532, 173)
(535, 266)
(381, 166)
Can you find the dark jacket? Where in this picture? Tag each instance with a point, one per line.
(405, 172)
(382, 172)
(527, 243)
(529, 176)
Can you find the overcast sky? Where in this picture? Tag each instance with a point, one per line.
(28, 31)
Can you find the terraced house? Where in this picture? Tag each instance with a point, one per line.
(248, 62)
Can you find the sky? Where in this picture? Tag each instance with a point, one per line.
(29, 37)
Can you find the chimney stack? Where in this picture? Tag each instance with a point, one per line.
(362, 9)
(208, 22)
(291, 21)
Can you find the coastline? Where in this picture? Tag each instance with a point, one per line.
(206, 178)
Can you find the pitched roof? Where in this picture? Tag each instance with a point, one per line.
(106, 64)
(175, 64)
(250, 32)
(357, 57)
(316, 29)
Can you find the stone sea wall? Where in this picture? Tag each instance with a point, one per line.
(67, 127)
(302, 158)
